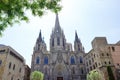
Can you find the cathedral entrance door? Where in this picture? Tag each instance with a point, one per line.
(59, 78)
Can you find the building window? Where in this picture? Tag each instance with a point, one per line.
(107, 54)
(10, 65)
(109, 62)
(38, 46)
(96, 64)
(102, 54)
(81, 60)
(52, 42)
(113, 49)
(0, 62)
(78, 47)
(1, 51)
(117, 64)
(37, 60)
(89, 62)
(45, 60)
(20, 70)
(14, 67)
(94, 55)
(90, 68)
(93, 66)
(58, 41)
(72, 60)
(92, 60)
(105, 62)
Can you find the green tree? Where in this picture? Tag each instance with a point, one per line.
(94, 75)
(13, 11)
(110, 73)
(36, 75)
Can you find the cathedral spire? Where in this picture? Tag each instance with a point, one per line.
(40, 37)
(76, 37)
(57, 25)
(77, 43)
(57, 41)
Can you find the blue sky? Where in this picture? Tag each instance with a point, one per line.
(91, 18)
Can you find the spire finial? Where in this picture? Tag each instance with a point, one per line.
(40, 36)
(76, 36)
(57, 25)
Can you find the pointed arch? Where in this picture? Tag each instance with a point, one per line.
(46, 60)
(78, 47)
(53, 42)
(58, 41)
(72, 60)
(81, 59)
(38, 60)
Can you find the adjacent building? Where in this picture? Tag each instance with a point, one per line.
(115, 53)
(61, 62)
(11, 64)
(27, 72)
(99, 57)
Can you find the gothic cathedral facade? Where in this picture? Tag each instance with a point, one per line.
(61, 62)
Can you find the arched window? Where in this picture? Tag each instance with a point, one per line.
(10, 65)
(45, 60)
(52, 42)
(72, 60)
(58, 41)
(37, 60)
(78, 47)
(14, 67)
(81, 60)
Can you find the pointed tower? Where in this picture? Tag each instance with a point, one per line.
(77, 44)
(40, 44)
(57, 40)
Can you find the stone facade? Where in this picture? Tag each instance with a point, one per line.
(99, 57)
(61, 62)
(27, 72)
(115, 53)
(11, 64)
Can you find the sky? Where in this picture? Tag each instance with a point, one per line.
(91, 18)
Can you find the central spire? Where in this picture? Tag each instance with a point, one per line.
(57, 41)
(57, 21)
(57, 25)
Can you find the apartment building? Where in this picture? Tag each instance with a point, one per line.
(99, 57)
(11, 64)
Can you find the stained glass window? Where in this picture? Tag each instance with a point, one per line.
(72, 60)
(37, 60)
(45, 60)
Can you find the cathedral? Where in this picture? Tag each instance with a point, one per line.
(61, 62)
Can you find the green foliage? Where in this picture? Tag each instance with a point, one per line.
(36, 75)
(13, 11)
(110, 73)
(94, 75)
